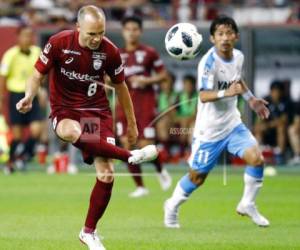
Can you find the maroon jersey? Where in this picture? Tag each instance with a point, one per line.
(75, 70)
(142, 61)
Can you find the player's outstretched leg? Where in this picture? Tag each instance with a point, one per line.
(183, 190)
(253, 178)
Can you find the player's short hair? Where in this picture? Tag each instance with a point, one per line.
(190, 78)
(90, 9)
(23, 26)
(278, 85)
(223, 20)
(134, 19)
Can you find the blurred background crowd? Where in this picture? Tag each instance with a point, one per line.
(270, 39)
(35, 12)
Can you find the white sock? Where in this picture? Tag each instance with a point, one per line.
(178, 197)
(251, 189)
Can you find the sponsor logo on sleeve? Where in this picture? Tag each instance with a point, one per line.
(158, 63)
(43, 58)
(119, 69)
(47, 48)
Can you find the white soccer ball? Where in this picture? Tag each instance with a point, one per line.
(183, 42)
(270, 171)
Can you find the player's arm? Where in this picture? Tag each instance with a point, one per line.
(127, 106)
(2, 88)
(258, 105)
(149, 80)
(213, 95)
(32, 88)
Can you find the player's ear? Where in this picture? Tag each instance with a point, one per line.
(212, 39)
(77, 26)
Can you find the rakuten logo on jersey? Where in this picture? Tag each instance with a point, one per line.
(72, 75)
(133, 70)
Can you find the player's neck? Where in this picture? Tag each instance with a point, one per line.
(132, 46)
(226, 56)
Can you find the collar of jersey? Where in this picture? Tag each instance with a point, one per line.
(224, 61)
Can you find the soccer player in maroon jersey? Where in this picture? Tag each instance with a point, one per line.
(80, 111)
(143, 69)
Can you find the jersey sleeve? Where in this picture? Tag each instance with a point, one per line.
(115, 68)
(206, 73)
(47, 57)
(5, 63)
(157, 63)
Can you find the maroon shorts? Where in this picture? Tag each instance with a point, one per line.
(95, 124)
(145, 124)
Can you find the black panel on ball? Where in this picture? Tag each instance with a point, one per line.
(172, 33)
(187, 39)
(175, 51)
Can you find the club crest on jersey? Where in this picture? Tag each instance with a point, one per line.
(139, 56)
(97, 64)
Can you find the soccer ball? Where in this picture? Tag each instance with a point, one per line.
(183, 42)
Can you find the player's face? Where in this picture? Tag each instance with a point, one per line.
(26, 38)
(91, 33)
(224, 38)
(188, 86)
(131, 32)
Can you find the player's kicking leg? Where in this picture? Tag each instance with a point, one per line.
(70, 130)
(99, 200)
(253, 180)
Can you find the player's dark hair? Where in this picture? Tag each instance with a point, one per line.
(190, 78)
(276, 84)
(134, 19)
(22, 27)
(223, 20)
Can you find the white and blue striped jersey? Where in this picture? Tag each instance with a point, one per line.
(215, 120)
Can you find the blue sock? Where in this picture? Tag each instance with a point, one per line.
(187, 185)
(256, 172)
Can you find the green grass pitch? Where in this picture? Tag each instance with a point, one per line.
(42, 212)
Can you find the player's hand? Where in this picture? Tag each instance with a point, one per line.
(24, 105)
(234, 89)
(137, 82)
(132, 134)
(259, 107)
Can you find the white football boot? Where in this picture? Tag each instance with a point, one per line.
(139, 192)
(147, 153)
(92, 240)
(170, 216)
(251, 211)
(165, 180)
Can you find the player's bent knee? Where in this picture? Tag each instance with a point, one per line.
(257, 160)
(71, 135)
(104, 169)
(196, 177)
(254, 157)
(106, 175)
